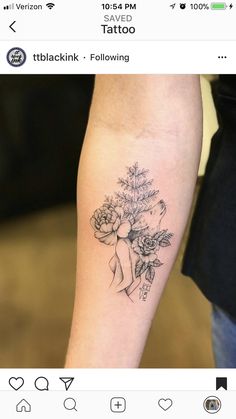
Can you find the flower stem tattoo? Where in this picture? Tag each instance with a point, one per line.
(131, 222)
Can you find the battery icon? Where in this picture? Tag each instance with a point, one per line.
(218, 6)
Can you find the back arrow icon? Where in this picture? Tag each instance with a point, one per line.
(11, 26)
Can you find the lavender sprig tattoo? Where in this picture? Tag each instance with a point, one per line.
(131, 221)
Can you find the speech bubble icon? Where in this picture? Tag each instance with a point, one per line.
(42, 384)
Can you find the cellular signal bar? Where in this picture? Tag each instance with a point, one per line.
(9, 7)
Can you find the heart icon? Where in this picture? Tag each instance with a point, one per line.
(16, 382)
(165, 404)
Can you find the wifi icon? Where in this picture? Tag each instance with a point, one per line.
(50, 5)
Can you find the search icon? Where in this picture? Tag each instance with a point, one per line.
(42, 384)
(70, 404)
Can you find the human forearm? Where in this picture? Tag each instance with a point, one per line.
(119, 275)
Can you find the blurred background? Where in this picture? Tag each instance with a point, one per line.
(42, 125)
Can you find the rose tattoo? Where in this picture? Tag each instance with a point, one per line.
(131, 221)
(109, 223)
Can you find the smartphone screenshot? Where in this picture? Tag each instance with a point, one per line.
(117, 209)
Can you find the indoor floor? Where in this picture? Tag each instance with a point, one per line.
(37, 279)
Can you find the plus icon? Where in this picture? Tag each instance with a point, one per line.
(118, 404)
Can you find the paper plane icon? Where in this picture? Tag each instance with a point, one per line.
(67, 381)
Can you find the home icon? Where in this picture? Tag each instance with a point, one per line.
(23, 406)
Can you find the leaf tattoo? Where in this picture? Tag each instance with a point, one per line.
(140, 267)
(150, 274)
(130, 221)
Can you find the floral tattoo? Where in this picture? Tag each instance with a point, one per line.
(131, 222)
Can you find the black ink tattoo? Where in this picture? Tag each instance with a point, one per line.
(143, 291)
(131, 221)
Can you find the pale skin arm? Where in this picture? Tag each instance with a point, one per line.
(157, 122)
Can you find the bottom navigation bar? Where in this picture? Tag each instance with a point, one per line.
(131, 393)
